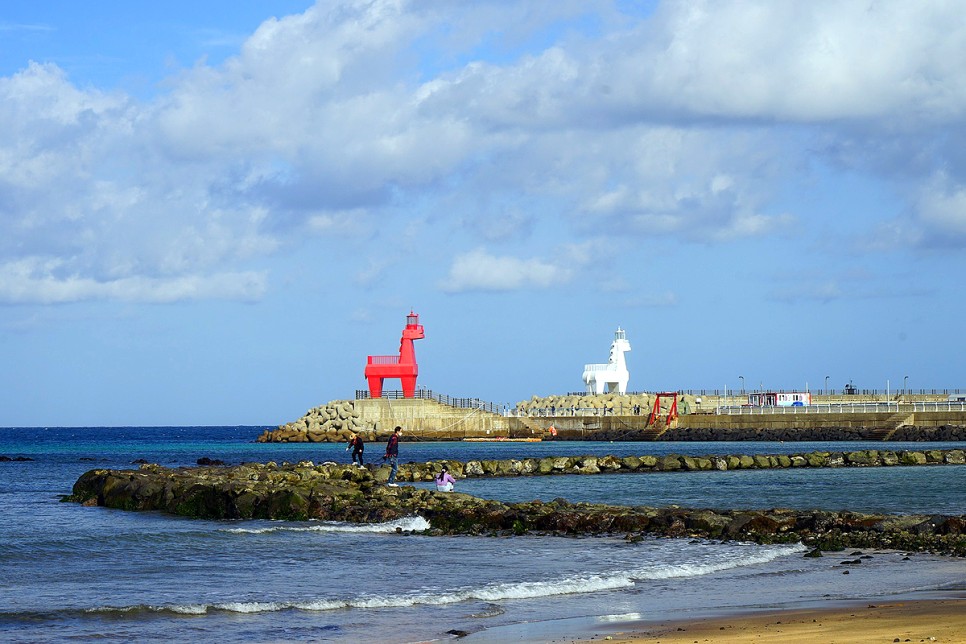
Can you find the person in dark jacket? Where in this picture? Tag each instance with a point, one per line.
(357, 445)
(392, 455)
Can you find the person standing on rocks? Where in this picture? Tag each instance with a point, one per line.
(357, 445)
(392, 455)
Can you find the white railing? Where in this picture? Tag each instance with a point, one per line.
(850, 408)
(612, 366)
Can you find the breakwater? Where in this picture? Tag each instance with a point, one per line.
(331, 491)
(679, 463)
(609, 420)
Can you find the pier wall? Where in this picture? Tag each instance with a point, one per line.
(430, 420)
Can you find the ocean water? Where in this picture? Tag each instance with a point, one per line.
(91, 573)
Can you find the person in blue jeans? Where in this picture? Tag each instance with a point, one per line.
(392, 455)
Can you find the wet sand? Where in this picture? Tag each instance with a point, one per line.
(941, 620)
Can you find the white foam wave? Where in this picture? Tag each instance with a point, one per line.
(700, 569)
(415, 524)
(495, 592)
(188, 609)
(180, 609)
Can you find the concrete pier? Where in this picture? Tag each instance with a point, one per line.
(430, 420)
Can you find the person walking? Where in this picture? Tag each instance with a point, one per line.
(358, 446)
(444, 480)
(392, 455)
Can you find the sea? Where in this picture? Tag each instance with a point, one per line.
(73, 573)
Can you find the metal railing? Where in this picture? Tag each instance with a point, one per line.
(443, 399)
(604, 366)
(818, 391)
(845, 408)
(383, 359)
(738, 391)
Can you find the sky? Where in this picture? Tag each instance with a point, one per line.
(211, 213)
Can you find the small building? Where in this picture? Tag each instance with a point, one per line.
(779, 399)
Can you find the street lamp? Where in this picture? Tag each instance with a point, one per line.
(742, 379)
(905, 382)
(826, 385)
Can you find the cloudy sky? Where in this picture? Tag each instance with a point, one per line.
(211, 213)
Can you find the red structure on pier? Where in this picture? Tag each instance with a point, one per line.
(656, 411)
(403, 366)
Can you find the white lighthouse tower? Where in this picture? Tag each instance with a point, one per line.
(612, 376)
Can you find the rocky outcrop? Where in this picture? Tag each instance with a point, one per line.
(941, 433)
(345, 493)
(676, 462)
(329, 423)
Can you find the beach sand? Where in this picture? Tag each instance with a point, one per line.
(941, 620)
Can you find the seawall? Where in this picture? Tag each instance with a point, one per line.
(430, 420)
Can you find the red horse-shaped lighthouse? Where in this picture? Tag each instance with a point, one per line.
(403, 366)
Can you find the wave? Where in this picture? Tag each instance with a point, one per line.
(491, 593)
(700, 569)
(407, 524)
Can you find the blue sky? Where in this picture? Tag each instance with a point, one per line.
(211, 214)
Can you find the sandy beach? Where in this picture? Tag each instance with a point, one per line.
(875, 623)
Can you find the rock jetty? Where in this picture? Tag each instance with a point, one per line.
(331, 491)
(678, 463)
(329, 423)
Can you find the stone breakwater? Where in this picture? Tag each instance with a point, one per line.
(331, 491)
(329, 423)
(677, 463)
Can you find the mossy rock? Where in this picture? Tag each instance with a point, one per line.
(912, 458)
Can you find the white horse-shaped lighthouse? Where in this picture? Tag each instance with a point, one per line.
(613, 375)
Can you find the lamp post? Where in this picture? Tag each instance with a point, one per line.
(905, 383)
(826, 385)
(742, 379)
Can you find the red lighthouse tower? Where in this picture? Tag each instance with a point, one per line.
(403, 366)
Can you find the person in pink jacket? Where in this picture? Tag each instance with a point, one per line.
(444, 480)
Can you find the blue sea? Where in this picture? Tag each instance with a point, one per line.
(79, 573)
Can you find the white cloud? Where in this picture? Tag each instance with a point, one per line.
(814, 61)
(941, 211)
(478, 270)
(687, 123)
(35, 281)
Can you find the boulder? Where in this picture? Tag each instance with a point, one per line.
(473, 468)
(668, 463)
(912, 458)
(761, 461)
(956, 457)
